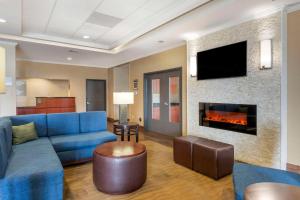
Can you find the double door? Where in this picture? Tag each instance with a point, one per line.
(163, 102)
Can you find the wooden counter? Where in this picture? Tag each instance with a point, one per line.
(49, 105)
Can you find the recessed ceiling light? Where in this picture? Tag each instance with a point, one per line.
(2, 20)
(69, 58)
(86, 37)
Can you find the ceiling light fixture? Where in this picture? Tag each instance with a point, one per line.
(2, 20)
(86, 37)
(69, 58)
(160, 41)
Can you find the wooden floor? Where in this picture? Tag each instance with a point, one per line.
(165, 179)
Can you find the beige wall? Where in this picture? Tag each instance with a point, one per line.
(173, 58)
(121, 83)
(293, 88)
(8, 98)
(36, 87)
(2, 69)
(77, 76)
(110, 89)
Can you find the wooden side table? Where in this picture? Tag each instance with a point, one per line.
(272, 191)
(127, 128)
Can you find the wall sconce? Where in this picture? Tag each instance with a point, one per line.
(193, 66)
(265, 54)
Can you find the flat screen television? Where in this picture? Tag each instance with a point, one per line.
(223, 62)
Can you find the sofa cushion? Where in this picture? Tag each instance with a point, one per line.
(92, 121)
(63, 124)
(3, 153)
(245, 175)
(38, 119)
(24, 133)
(73, 142)
(5, 122)
(82, 155)
(34, 172)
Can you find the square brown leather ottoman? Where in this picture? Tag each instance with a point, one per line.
(183, 150)
(212, 158)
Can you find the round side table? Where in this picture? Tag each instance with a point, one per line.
(271, 191)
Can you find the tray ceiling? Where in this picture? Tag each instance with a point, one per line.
(117, 31)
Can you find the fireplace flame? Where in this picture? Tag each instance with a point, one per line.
(226, 117)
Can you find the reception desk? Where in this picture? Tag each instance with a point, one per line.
(49, 105)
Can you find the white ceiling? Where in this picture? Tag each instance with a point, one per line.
(119, 30)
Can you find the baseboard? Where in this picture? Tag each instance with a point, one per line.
(110, 119)
(293, 168)
(141, 128)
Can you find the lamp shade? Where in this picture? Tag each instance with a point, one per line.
(123, 98)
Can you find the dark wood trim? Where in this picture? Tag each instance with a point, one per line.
(109, 119)
(293, 168)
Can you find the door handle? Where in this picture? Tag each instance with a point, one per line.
(88, 103)
(166, 103)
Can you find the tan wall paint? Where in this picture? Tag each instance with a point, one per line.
(293, 88)
(110, 90)
(8, 98)
(36, 87)
(77, 76)
(173, 58)
(2, 69)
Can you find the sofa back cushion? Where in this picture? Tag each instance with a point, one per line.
(39, 121)
(5, 144)
(92, 121)
(63, 124)
(3, 153)
(5, 122)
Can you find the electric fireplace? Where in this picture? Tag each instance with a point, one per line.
(233, 117)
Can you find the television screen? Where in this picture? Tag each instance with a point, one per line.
(222, 62)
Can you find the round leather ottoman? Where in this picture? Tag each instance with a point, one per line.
(119, 167)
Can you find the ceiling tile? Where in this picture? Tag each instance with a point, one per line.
(10, 10)
(92, 30)
(126, 26)
(69, 15)
(156, 5)
(36, 15)
(103, 20)
(120, 8)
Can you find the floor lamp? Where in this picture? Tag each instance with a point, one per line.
(123, 99)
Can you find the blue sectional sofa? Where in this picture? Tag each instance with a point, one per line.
(246, 174)
(33, 170)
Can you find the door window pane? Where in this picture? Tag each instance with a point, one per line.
(156, 99)
(174, 100)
